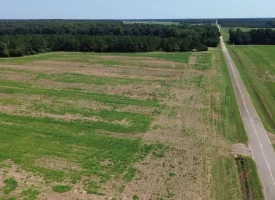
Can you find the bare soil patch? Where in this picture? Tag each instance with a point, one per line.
(56, 164)
(112, 57)
(25, 179)
(56, 67)
(136, 91)
(136, 109)
(271, 137)
(159, 63)
(93, 105)
(192, 60)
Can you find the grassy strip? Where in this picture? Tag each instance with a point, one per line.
(250, 183)
(260, 95)
(85, 57)
(62, 188)
(29, 139)
(176, 57)
(80, 78)
(225, 176)
(230, 108)
(136, 122)
(14, 87)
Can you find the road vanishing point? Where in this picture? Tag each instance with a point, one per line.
(259, 143)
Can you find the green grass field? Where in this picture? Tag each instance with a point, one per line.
(256, 65)
(100, 125)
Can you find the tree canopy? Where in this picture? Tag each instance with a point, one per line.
(254, 36)
(27, 37)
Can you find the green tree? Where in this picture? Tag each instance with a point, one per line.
(4, 52)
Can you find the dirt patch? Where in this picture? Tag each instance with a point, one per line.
(25, 179)
(161, 63)
(111, 57)
(92, 105)
(120, 135)
(10, 109)
(241, 149)
(55, 67)
(94, 69)
(123, 122)
(166, 130)
(28, 180)
(271, 137)
(136, 109)
(136, 91)
(165, 177)
(192, 60)
(76, 194)
(68, 117)
(14, 76)
(144, 61)
(23, 111)
(266, 76)
(56, 164)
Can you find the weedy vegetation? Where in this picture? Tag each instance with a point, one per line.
(111, 125)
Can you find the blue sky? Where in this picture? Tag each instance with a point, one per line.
(134, 9)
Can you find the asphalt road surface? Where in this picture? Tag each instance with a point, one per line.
(260, 145)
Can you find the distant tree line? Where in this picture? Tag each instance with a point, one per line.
(28, 37)
(32, 44)
(84, 27)
(254, 36)
(249, 23)
(181, 21)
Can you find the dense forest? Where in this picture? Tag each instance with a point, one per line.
(53, 27)
(28, 37)
(254, 36)
(248, 22)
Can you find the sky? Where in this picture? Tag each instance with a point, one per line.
(135, 9)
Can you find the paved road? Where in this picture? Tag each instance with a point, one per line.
(260, 145)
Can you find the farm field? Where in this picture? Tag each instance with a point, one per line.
(257, 67)
(118, 126)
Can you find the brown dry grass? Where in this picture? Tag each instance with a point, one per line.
(136, 109)
(144, 61)
(192, 60)
(56, 163)
(131, 70)
(192, 133)
(189, 126)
